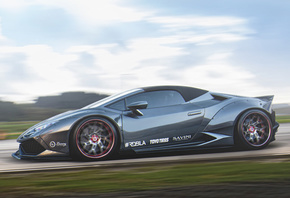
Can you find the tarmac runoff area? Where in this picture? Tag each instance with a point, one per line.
(278, 149)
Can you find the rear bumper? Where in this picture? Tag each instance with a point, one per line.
(275, 129)
(274, 124)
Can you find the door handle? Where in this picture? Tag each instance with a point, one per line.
(192, 113)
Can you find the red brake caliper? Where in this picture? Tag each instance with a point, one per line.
(251, 129)
(95, 138)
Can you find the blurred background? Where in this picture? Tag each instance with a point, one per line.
(57, 55)
(62, 54)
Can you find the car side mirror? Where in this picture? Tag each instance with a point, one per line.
(135, 106)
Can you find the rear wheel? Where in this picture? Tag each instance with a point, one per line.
(93, 138)
(254, 130)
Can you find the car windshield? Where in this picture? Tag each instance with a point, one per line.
(109, 99)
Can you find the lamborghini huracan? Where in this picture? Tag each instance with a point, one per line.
(153, 119)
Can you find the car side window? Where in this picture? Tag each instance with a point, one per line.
(157, 98)
(120, 105)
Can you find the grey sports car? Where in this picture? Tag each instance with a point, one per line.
(153, 119)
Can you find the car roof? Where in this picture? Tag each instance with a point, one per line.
(188, 93)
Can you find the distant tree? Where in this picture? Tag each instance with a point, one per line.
(68, 100)
(9, 111)
(45, 107)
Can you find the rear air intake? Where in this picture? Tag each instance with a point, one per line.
(204, 138)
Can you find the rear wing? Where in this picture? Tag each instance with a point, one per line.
(267, 101)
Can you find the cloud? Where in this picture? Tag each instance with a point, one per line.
(218, 74)
(3, 39)
(204, 29)
(13, 71)
(186, 22)
(195, 50)
(113, 66)
(93, 12)
(90, 12)
(34, 70)
(135, 62)
(16, 5)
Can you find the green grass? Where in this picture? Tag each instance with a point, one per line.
(283, 119)
(11, 130)
(102, 180)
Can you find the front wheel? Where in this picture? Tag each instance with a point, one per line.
(93, 138)
(254, 130)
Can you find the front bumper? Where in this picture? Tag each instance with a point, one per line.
(31, 149)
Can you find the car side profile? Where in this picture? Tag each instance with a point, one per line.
(153, 119)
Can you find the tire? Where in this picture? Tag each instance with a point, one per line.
(254, 130)
(93, 139)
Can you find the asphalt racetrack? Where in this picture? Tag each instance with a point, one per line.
(277, 149)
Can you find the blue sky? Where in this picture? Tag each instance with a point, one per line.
(52, 46)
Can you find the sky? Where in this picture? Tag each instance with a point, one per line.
(238, 47)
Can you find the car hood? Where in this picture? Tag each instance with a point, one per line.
(66, 114)
(51, 121)
(72, 113)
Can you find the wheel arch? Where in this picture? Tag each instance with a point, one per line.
(249, 109)
(235, 134)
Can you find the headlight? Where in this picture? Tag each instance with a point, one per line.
(34, 130)
(40, 128)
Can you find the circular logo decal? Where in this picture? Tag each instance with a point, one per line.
(52, 144)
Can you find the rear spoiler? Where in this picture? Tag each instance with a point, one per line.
(267, 101)
(266, 98)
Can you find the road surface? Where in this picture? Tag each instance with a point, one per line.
(277, 149)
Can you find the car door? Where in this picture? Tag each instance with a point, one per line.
(167, 120)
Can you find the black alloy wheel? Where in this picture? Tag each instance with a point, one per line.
(94, 138)
(254, 130)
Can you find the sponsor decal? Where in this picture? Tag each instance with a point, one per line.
(181, 138)
(52, 144)
(161, 140)
(62, 144)
(135, 144)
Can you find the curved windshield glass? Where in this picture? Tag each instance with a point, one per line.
(110, 98)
